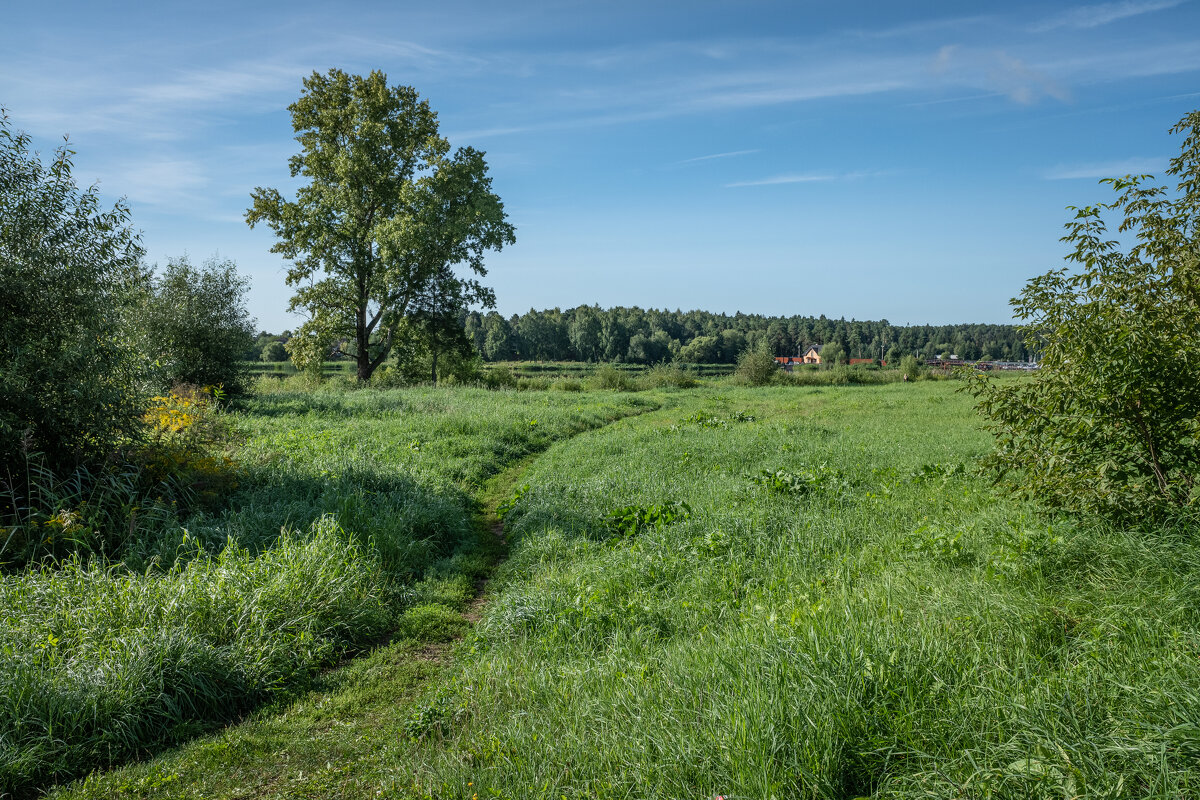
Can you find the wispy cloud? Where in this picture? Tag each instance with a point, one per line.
(776, 180)
(1094, 16)
(218, 85)
(730, 154)
(1106, 169)
(157, 181)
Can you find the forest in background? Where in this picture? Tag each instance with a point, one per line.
(652, 336)
(590, 333)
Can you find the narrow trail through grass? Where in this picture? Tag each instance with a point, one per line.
(322, 743)
(760, 593)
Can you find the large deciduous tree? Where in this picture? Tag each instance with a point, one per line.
(386, 210)
(1111, 421)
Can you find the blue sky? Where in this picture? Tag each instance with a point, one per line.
(908, 161)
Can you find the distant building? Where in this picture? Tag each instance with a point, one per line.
(811, 356)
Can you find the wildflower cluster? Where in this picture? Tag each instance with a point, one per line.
(184, 447)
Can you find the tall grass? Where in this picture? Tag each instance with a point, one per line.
(875, 622)
(98, 664)
(350, 507)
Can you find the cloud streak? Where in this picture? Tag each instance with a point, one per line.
(777, 180)
(1087, 17)
(730, 154)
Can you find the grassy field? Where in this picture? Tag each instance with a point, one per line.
(355, 517)
(754, 593)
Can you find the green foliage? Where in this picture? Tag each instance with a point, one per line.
(911, 368)
(308, 351)
(386, 214)
(756, 367)
(662, 375)
(429, 347)
(832, 354)
(430, 622)
(701, 350)
(609, 378)
(506, 506)
(651, 336)
(274, 352)
(128, 511)
(500, 378)
(210, 613)
(197, 325)
(706, 419)
(49, 515)
(71, 379)
(1110, 424)
(918, 638)
(630, 520)
(100, 664)
(820, 478)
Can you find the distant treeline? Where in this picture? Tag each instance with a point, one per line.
(634, 335)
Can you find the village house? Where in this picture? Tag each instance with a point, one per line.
(811, 356)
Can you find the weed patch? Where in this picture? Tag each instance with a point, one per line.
(628, 521)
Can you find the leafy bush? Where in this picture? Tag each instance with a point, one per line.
(810, 479)
(197, 324)
(127, 510)
(274, 352)
(663, 375)
(500, 378)
(71, 379)
(756, 367)
(610, 378)
(911, 367)
(1111, 422)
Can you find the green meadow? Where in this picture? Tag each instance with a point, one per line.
(353, 511)
(780, 592)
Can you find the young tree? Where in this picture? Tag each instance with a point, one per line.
(197, 324)
(1111, 421)
(274, 352)
(832, 353)
(385, 211)
(757, 367)
(71, 378)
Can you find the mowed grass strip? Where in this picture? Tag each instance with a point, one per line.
(355, 519)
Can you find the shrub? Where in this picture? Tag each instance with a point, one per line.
(756, 367)
(910, 366)
(610, 378)
(71, 380)
(533, 384)
(499, 378)
(663, 375)
(274, 352)
(197, 324)
(1111, 422)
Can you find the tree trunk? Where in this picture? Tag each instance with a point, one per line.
(434, 371)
